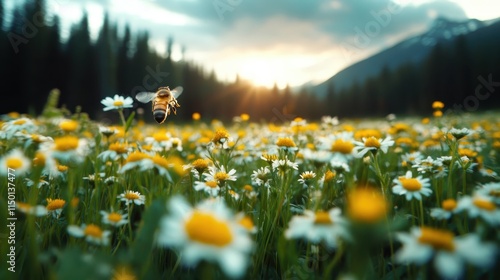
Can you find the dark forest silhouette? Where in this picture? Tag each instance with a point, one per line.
(35, 60)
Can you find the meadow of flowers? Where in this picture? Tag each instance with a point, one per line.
(354, 199)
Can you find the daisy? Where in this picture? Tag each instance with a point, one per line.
(117, 102)
(283, 164)
(319, 226)
(116, 151)
(221, 137)
(372, 144)
(132, 197)
(459, 133)
(340, 166)
(427, 165)
(306, 177)
(14, 162)
(220, 175)
(491, 190)
(411, 158)
(261, 176)
(448, 207)
(67, 148)
(114, 218)
(480, 206)
(36, 210)
(209, 232)
(450, 253)
(249, 192)
(412, 187)
(55, 207)
(210, 187)
(134, 160)
(329, 121)
(286, 144)
(92, 233)
(158, 163)
(24, 125)
(197, 167)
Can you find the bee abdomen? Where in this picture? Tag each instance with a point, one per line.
(159, 115)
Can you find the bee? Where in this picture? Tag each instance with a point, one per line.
(164, 102)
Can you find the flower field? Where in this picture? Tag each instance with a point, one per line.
(355, 199)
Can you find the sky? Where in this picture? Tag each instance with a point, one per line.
(274, 41)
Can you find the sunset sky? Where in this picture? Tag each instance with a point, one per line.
(288, 42)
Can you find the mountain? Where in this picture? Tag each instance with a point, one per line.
(412, 50)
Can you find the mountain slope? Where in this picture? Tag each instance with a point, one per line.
(412, 50)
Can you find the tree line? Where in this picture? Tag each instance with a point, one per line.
(35, 59)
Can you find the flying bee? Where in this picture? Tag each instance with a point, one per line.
(164, 102)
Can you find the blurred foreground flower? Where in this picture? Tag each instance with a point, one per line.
(92, 233)
(320, 226)
(366, 205)
(210, 232)
(450, 253)
(14, 162)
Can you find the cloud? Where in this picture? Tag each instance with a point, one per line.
(325, 36)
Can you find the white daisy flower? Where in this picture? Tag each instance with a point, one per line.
(67, 148)
(372, 144)
(319, 226)
(210, 232)
(24, 125)
(284, 164)
(412, 157)
(92, 233)
(448, 207)
(219, 175)
(261, 176)
(329, 121)
(450, 253)
(36, 210)
(132, 197)
(427, 165)
(117, 102)
(14, 162)
(459, 133)
(340, 166)
(412, 187)
(491, 190)
(480, 206)
(210, 187)
(306, 177)
(114, 218)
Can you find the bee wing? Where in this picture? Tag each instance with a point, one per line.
(176, 92)
(145, 96)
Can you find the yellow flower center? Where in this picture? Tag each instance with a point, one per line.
(93, 230)
(449, 204)
(438, 239)
(68, 125)
(23, 206)
(14, 163)
(161, 161)
(494, 193)
(221, 176)
(245, 117)
(19, 122)
(114, 217)
(285, 142)
(366, 205)
(160, 136)
(137, 156)
(39, 159)
(437, 105)
(207, 229)
(322, 217)
(246, 222)
(118, 147)
(372, 142)
(307, 175)
(248, 188)
(220, 134)
(118, 103)
(62, 168)
(270, 158)
(437, 114)
(410, 184)
(131, 196)
(211, 184)
(484, 204)
(342, 146)
(54, 204)
(196, 116)
(329, 175)
(467, 152)
(66, 143)
(200, 164)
